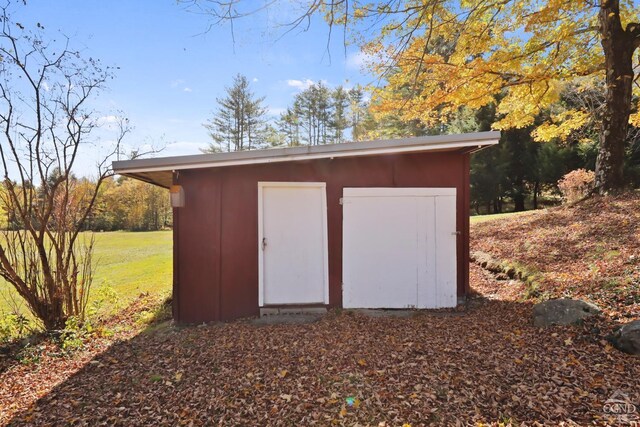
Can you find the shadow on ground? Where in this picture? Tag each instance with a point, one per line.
(488, 364)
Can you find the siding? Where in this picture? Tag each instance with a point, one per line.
(216, 233)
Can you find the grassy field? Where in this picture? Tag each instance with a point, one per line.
(130, 263)
(477, 219)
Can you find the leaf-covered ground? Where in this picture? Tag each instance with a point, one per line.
(485, 364)
(590, 251)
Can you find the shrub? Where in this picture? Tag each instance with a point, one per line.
(30, 354)
(13, 327)
(576, 184)
(105, 300)
(74, 334)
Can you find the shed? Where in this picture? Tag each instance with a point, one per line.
(377, 224)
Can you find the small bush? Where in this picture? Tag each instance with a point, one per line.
(30, 354)
(105, 299)
(74, 334)
(154, 314)
(13, 327)
(576, 184)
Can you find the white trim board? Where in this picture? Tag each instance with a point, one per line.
(398, 192)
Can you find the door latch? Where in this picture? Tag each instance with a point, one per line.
(264, 243)
(456, 233)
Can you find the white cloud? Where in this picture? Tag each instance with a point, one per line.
(180, 84)
(255, 80)
(300, 84)
(108, 119)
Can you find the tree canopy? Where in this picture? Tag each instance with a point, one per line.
(239, 122)
(437, 56)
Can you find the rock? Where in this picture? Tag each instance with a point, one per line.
(627, 338)
(562, 312)
(502, 276)
(486, 261)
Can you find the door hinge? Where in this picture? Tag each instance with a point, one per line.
(341, 201)
(456, 233)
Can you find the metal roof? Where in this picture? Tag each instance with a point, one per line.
(159, 170)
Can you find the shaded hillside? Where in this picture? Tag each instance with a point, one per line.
(590, 250)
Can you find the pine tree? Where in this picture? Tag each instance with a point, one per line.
(339, 122)
(239, 122)
(289, 126)
(358, 111)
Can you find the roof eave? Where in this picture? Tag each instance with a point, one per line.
(407, 145)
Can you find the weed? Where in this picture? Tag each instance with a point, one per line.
(105, 299)
(155, 314)
(71, 337)
(532, 291)
(30, 354)
(145, 317)
(13, 327)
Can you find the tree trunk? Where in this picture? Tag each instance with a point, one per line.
(518, 201)
(536, 190)
(618, 46)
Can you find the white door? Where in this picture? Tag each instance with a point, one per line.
(292, 243)
(399, 248)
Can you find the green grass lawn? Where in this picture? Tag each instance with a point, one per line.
(476, 219)
(128, 262)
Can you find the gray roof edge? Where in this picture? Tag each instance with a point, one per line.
(347, 148)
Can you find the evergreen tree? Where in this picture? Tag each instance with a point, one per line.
(339, 122)
(289, 126)
(313, 108)
(239, 122)
(358, 109)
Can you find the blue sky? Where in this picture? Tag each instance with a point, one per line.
(172, 69)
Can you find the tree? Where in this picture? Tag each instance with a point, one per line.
(46, 119)
(129, 204)
(358, 111)
(320, 115)
(239, 123)
(289, 127)
(339, 122)
(313, 106)
(523, 50)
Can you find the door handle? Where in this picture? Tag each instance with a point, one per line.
(264, 243)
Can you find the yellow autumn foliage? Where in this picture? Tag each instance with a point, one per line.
(437, 56)
(561, 126)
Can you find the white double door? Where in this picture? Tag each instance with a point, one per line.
(399, 247)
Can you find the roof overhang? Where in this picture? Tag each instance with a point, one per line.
(159, 171)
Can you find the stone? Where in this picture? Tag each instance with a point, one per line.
(563, 312)
(627, 338)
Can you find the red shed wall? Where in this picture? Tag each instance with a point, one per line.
(216, 232)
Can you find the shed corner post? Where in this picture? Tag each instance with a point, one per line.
(175, 294)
